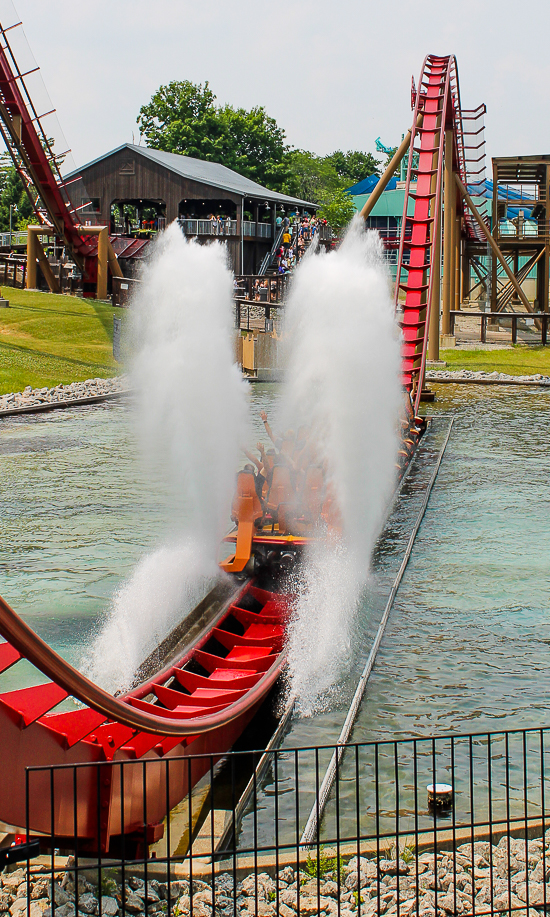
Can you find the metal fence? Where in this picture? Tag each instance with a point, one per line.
(532, 327)
(224, 227)
(387, 844)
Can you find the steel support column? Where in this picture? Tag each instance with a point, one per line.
(433, 332)
(449, 208)
(457, 261)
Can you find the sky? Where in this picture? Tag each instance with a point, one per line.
(335, 75)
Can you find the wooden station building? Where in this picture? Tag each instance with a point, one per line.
(122, 187)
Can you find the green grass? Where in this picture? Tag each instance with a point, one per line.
(517, 361)
(47, 339)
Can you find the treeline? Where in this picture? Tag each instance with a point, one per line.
(183, 117)
(12, 192)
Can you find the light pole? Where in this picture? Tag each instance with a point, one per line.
(12, 208)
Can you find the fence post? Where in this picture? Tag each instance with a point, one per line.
(544, 330)
(514, 329)
(483, 329)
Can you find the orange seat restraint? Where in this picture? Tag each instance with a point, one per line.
(281, 490)
(330, 512)
(312, 494)
(245, 510)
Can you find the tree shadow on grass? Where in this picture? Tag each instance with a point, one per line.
(54, 356)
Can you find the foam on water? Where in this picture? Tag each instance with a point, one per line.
(343, 380)
(191, 419)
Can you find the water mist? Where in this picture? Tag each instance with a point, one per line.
(343, 368)
(191, 409)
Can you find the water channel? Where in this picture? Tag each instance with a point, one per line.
(467, 648)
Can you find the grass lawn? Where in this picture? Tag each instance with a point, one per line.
(48, 339)
(517, 361)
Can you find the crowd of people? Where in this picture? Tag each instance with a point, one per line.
(294, 451)
(306, 469)
(298, 232)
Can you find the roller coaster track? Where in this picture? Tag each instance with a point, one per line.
(33, 156)
(436, 111)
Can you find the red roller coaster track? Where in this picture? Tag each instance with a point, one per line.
(437, 110)
(36, 162)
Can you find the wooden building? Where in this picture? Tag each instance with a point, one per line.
(135, 190)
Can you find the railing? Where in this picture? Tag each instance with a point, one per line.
(523, 229)
(13, 272)
(224, 228)
(248, 288)
(537, 322)
(264, 230)
(270, 255)
(209, 227)
(10, 239)
(436, 825)
(261, 288)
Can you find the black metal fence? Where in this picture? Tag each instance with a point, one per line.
(475, 843)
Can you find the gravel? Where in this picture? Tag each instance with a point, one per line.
(31, 397)
(511, 876)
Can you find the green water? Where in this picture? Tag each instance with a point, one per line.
(468, 643)
(78, 510)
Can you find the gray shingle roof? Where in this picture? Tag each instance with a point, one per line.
(210, 173)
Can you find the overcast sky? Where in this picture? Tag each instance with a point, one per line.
(335, 75)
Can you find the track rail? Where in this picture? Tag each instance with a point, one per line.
(311, 829)
(438, 100)
(23, 640)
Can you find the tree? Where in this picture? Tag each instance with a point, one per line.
(337, 209)
(310, 178)
(353, 166)
(183, 118)
(12, 192)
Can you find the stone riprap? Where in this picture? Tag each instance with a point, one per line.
(509, 877)
(468, 375)
(74, 392)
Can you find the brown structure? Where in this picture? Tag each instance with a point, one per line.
(171, 187)
(523, 183)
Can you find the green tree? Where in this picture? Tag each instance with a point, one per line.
(253, 145)
(311, 177)
(12, 192)
(337, 209)
(353, 166)
(182, 117)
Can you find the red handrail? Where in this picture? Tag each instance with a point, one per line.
(33, 648)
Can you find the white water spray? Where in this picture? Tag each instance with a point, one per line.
(191, 410)
(343, 380)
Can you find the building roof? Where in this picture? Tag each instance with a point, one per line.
(209, 173)
(368, 184)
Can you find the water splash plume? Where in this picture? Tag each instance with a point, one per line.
(191, 419)
(343, 369)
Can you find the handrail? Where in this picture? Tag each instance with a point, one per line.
(51, 664)
(268, 257)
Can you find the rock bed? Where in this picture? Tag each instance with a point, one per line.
(501, 878)
(442, 375)
(73, 392)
